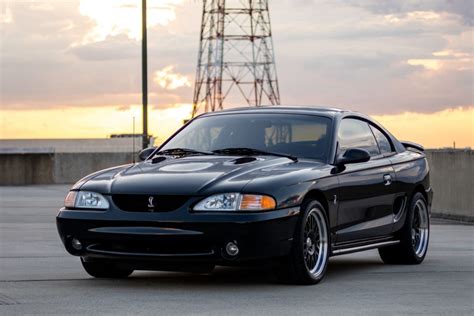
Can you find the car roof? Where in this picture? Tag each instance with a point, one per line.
(331, 112)
(315, 110)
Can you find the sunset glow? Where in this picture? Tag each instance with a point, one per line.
(90, 122)
(434, 130)
(72, 69)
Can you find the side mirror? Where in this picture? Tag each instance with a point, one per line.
(145, 153)
(353, 155)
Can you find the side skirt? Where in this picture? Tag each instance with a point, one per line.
(357, 246)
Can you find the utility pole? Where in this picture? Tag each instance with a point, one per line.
(144, 77)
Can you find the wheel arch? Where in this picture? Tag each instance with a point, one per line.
(319, 196)
(419, 188)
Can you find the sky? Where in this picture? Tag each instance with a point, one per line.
(71, 68)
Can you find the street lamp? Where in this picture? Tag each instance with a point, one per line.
(144, 77)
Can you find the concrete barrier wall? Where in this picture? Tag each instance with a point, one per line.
(55, 168)
(69, 167)
(451, 174)
(27, 168)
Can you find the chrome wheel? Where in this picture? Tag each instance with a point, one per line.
(315, 242)
(420, 228)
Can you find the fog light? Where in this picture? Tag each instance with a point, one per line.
(232, 249)
(76, 244)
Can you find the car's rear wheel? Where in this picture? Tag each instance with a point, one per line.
(105, 269)
(309, 256)
(414, 236)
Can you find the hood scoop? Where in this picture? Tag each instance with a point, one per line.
(243, 160)
(158, 159)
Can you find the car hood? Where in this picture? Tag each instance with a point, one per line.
(195, 175)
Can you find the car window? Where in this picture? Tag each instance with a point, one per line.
(385, 145)
(283, 132)
(304, 136)
(354, 133)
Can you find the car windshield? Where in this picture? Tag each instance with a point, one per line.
(302, 136)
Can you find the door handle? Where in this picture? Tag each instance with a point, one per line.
(387, 179)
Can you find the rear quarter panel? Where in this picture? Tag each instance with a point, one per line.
(412, 174)
(411, 170)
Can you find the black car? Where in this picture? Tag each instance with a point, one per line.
(286, 187)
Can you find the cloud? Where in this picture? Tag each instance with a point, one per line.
(115, 48)
(348, 54)
(5, 15)
(167, 79)
(462, 8)
(45, 69)
(115, 17)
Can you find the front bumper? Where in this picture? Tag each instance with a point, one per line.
(183, 237)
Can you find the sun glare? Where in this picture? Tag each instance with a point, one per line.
(115, 17)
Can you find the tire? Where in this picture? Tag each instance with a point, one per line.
(414, 236)
(105, 269)
(309, 255)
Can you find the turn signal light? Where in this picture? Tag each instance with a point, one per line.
(251, 202)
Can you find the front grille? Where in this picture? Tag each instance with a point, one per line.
(143, 203)
(154, 247)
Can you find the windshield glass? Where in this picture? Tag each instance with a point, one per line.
(303, 136)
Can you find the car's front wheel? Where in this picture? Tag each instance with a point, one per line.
(105, 269)
(308, 260)
(414, 236)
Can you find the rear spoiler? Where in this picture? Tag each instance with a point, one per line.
(415, 146)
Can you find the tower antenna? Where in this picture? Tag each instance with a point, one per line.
(235, 55)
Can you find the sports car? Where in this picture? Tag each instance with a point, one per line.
(283, 187)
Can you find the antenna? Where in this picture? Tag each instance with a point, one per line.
(133, 141)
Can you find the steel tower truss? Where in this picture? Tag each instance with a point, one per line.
(236, 56)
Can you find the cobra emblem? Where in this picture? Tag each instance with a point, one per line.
(150, 202)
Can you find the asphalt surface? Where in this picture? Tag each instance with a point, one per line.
(37, 276)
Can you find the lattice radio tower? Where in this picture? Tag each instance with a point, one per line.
(235, 55)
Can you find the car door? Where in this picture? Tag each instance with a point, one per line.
(399, 185)
(365, 195)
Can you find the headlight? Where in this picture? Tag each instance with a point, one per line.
(87, 200)
(236, 202)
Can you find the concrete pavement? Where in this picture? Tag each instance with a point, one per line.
(37, 276)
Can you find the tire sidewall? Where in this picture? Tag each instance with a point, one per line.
(407, 233)
(299, 236)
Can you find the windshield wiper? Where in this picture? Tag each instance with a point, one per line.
(251, 152)
(183, 152)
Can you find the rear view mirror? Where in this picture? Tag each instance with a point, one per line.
(145, 153)
(353, 155)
